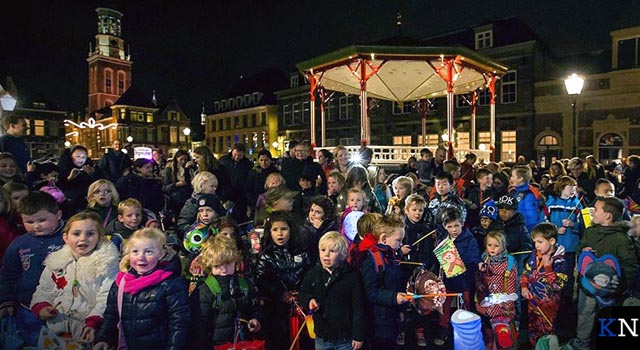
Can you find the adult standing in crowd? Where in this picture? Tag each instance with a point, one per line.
(325, 159)
(206, 161)
(303, 163)
(115, 163)
(13, 141)
(238, 167)
(630, 177)
(342, 162)
(586, 186)
(257, 177)
(159, 162)
(141, 185)
(176, 182)
(77, 172)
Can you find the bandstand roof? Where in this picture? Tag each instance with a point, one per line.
(405, 73)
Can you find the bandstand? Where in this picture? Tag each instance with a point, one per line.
(402, 74)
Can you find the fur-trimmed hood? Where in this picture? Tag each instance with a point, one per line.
(96, 264)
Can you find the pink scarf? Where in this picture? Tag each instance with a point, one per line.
(135, 284)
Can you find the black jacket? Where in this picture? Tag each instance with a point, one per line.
(340, 296)
(312, 236)
(292, 168)
(157, 317)
(423, 251)
(113, 164)
(517, 235)
(76, 189)
(147, 190)
(254, 185)
(213, 326)
(280, 269)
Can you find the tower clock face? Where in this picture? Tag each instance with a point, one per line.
(114, 43)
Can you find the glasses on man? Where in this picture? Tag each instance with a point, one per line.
(97, 192)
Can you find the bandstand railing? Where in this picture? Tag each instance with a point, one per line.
(398, 155)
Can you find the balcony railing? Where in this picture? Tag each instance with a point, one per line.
(396, 155)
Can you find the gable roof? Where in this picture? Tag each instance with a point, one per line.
(134, 97)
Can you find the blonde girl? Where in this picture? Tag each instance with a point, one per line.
(154, 311)
(72, 293)
(103, 199)
(203, 182)
(497, 274)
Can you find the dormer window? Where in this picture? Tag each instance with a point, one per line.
(484, 39)
(256, 97)
(293, 80)
(628, 50)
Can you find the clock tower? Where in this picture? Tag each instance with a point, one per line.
(109, 66)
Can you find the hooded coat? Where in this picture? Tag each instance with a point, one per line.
(91, 276)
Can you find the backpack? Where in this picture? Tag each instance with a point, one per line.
(216, 290)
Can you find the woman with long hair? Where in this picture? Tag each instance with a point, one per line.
(206, 161)
(341, 160)
(176, 182)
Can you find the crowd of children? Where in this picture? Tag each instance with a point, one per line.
(110, 276)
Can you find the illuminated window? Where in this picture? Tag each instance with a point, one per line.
(484, 39)
(463, 140)
(549, 140)
(402, 140)
(508, 146)
(173, 134)
(149, 118)
(509, 87)
(432, 140)
(38, 127)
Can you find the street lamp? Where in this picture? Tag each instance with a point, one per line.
(129, 139)
(574, 84)
(187, 131)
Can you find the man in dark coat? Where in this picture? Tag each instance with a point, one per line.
(293, 168)
(13, 141)
(115, 163)
(238, 168)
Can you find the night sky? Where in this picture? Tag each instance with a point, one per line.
(195, 50)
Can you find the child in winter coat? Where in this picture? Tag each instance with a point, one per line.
(334, 292)
(22, 261)
(72, 293)
(129, 220)
(545, 273)
(564, 211)
(222, 298)
(498, 274)
(320, 220)
(278, 275)
(153, 312)
(467, 247)
(381, 278)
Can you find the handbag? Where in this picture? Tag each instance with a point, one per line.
(9, 337)
(122, 342)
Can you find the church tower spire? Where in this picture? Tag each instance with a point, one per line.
(109, 65)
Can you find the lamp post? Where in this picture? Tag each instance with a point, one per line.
(187, 131)
(574, 84)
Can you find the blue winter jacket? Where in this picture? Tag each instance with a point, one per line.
(560, 209)
(381, 284)
(22, 266)
(528, 205)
